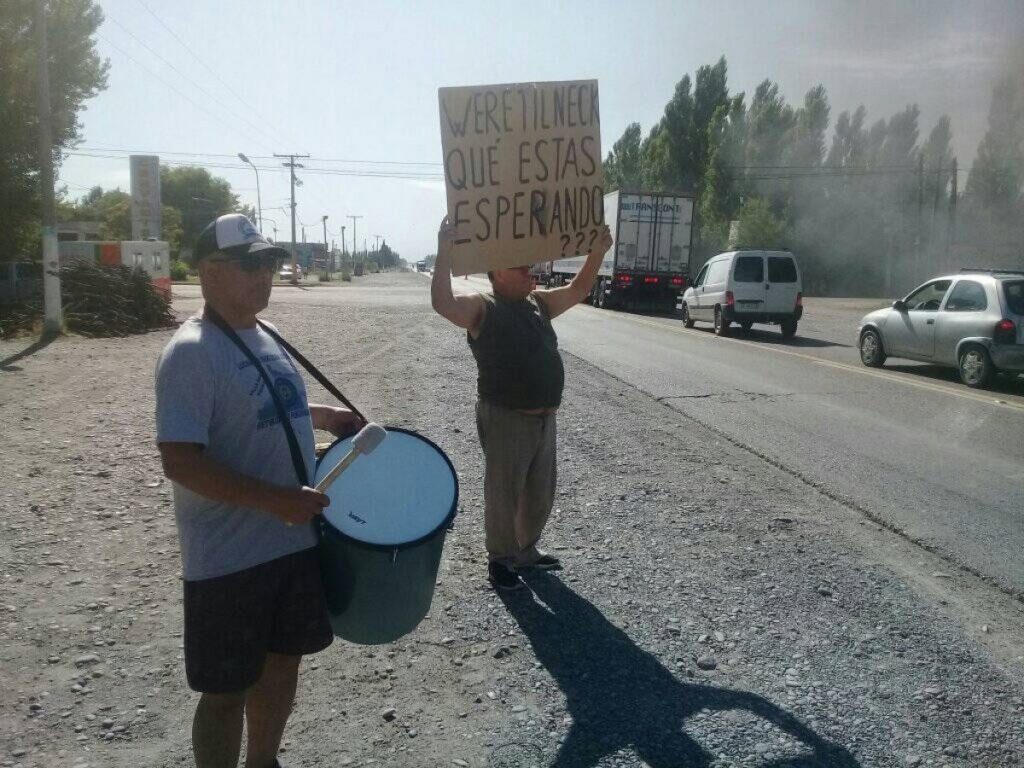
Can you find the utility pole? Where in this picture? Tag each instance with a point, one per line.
(376, 251)
(327, 253)
(53, 318)
(354, 219)
(291, 164)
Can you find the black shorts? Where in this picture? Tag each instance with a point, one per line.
(233, 621)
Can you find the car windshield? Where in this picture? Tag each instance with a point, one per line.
(1014, 292)
(749, 269)
(929, 297)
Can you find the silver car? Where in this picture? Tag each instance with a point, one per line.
(972, 321)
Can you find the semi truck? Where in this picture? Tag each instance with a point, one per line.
(648, 264)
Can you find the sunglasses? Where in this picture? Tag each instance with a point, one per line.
(252, 262)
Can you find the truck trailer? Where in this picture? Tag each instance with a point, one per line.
(648, 264)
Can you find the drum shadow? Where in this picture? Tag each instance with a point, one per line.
(621, 697)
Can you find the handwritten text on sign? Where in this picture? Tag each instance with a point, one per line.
(522, 167)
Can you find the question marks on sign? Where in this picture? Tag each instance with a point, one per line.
(566, 239)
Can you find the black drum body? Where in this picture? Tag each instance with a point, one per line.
(383, 535)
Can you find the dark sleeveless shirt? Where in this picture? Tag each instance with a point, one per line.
(517, 356)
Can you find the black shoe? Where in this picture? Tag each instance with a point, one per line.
(546, 562)
(502, 577)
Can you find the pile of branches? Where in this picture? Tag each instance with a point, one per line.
(21, 317)
(98, 301)
(111, 301)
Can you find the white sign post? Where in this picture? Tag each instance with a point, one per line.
(523, 174)
(146, 203)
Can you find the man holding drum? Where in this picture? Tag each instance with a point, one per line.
(253, 598)
(520, 381)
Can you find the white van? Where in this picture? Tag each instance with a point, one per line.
(746, 287)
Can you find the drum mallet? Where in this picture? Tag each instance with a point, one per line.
(365, 442)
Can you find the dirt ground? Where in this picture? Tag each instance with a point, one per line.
(713, 611)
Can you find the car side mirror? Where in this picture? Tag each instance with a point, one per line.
(899, 305)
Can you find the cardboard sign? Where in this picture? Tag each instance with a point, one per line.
(522, 168)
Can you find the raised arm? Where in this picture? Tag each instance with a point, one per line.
(557, 300)
(466, 311)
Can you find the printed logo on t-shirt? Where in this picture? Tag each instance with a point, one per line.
(294, 405)
(284, 385)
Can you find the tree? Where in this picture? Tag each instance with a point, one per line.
(622, 167)
(807, 144)
(198, 195)
(76, 74)
(997, 175)
(759, 227)
(938, 160)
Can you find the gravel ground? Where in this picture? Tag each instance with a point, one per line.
(713, 611)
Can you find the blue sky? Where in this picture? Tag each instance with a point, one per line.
(355, 84)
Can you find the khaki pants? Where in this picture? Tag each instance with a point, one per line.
(519, 480)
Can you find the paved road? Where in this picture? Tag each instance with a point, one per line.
(908, 444)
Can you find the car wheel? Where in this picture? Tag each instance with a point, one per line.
(788, 329)
(746, 325)
(687, 320)
(721, 324)
(600, 295)
(976, 369)
(872, 354)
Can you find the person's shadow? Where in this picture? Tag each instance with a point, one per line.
(621, 697)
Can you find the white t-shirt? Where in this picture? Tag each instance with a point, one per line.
(208, 392)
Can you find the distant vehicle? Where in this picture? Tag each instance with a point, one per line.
(746, 287)
(421, 266)
(647, 266)
(972, 321)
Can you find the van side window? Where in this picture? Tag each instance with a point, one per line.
(700, 277)
(781, 269)
(717, 273)
(749, 269)
(967, 296)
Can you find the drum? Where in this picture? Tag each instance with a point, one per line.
(383, 533)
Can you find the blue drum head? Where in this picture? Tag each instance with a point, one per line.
(399, 494)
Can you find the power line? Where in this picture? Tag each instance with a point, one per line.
(258, 157)
(272, 169)
(185, 96)
(183, 44)
(187, 78)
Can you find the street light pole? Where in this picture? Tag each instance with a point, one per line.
(327, 255)
(376, 252)
(259, 204)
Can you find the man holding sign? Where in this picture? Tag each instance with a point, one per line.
(524, 183)
(519, 383)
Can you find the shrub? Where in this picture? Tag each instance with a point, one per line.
(179, 271)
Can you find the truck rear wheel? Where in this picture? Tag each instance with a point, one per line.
(721, 324)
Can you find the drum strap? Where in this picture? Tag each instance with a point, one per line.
(313, 371)
(282, 414)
